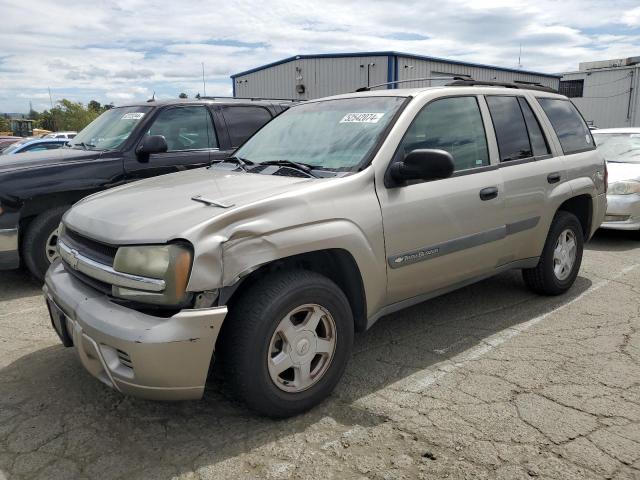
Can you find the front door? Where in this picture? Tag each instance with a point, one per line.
(191, 141)
(443, 232)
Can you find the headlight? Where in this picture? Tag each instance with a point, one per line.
(624, 187)
(171, 263)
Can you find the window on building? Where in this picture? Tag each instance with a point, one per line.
(244, 121)
(510, 128)
(467, 142)
(571, 88)
(573, 133)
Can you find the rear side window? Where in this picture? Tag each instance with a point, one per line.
(510, 127)
(573, 133)
(433, 128)
(538, 141)
(244, 121)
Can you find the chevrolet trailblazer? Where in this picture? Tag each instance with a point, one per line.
(339, 211)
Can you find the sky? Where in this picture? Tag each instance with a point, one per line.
(118, 51)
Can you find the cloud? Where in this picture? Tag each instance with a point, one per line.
(127, 49)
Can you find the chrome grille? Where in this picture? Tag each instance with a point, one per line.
(98, 251)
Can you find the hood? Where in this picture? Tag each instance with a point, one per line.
(44, 157)
(160, 209)
(623, 171)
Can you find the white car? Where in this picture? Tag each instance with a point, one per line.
(68, 135)
(621, 149)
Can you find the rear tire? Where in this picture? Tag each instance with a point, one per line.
(561, 257)
(38, 245)
(255, 345)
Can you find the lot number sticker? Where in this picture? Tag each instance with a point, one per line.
(133, 116)
(362, 118)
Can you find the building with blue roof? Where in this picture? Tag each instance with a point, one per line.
(313, 76)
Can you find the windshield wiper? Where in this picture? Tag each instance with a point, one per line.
(242, 162)
(85, 146)
(303, 167)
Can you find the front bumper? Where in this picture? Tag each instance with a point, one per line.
(623, 212)
(137, 354)
(9, 257)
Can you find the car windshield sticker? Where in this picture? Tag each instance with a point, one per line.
(133, 116)
(362, 118)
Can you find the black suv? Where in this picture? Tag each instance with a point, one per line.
(123, 144)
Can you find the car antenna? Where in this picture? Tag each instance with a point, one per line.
(153, 97)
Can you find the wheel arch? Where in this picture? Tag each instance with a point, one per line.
(582, 207)
(337, 264)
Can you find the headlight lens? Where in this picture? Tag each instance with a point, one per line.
(624, 187)
(171, 263)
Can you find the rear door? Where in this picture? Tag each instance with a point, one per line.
(444, 232)
(191, 140)
(243, 121)
(530, 170)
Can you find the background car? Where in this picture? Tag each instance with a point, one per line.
(68, 135)
(6, 140)
(621, 149)
(124, 144)
(35, 145)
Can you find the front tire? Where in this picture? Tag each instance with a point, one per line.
(561, 257)
(40, 240)
(287, 341)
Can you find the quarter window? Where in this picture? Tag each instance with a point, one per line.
(451, 124)
(573, 133)
(244, 121)
(510, 127)
(185, 128)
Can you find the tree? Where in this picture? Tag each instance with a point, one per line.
(5, 125)
(95, 106)
(183, 95)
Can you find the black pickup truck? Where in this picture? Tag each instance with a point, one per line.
(123, 144)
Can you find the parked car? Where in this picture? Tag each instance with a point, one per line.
(621, 149)
(122, 145)
(338, 212)
(68, 135)
(6, 140)
(34, 145)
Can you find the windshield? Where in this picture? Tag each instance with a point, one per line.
(110, 129)
(619, 147)
(332, 134)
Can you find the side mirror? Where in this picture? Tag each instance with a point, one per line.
(424, 164)
(151, 144)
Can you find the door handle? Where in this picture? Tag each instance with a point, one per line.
(554, 177)
(488, 193)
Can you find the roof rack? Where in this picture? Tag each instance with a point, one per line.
(451, 77)
(254, 99)
(518, 85)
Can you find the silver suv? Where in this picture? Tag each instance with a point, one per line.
(336, 213)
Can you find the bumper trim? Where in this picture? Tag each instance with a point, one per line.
(9, 257)
(166, 358)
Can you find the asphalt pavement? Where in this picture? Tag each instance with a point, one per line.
(490, 381)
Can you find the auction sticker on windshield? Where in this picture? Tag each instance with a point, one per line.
(362, 118)
(133, 116)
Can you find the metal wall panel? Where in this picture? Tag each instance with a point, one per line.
(409, 68)
(323, 76)
(609, 97)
